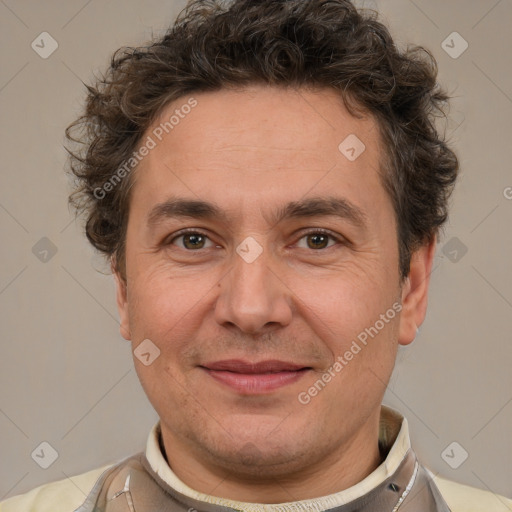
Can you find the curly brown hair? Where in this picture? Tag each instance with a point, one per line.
(217, 44)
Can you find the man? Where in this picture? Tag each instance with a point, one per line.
(268, 184)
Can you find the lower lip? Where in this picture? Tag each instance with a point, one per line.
(253, 384)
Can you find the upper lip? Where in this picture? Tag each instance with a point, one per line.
(248, 367)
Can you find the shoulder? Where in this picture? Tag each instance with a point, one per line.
(61, 496)
(463, 498)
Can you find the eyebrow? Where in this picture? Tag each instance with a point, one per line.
(304, 208)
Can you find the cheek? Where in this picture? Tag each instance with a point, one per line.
(341, 306)
(167, 309)
(153, 309)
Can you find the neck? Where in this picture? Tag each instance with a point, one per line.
(345, 466)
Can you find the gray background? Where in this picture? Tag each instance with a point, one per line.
(66, 374)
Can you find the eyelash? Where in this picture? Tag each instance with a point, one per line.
(314, 231)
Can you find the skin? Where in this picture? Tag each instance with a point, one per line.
(250, 152)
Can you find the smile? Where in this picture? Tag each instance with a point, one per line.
(255, 378)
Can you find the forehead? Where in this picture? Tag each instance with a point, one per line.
(261, 143)
(286, 124)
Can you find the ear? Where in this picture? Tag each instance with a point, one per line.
(415, 292)
(122, 303)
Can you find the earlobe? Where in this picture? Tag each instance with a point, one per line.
(415, 292)
(122, 304)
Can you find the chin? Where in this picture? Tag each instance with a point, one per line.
(249, 450)
(264, 462)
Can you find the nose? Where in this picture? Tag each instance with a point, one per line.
(253, 297)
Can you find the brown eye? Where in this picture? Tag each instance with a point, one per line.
(191, 241)
(318, 240)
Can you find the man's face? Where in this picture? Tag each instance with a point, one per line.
(270, 283)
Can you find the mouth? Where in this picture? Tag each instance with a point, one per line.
(250, 378)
